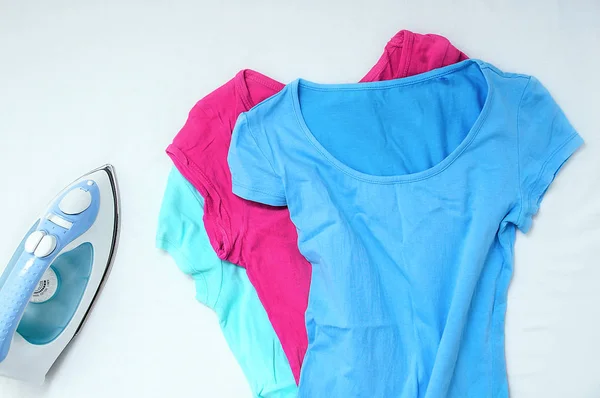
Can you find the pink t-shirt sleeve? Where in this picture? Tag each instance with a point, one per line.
(197, 152)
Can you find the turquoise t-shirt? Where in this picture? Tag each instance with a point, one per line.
(407, 195)
(225, 288)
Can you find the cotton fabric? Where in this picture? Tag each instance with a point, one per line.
(262, 238)
(406, 195)
(225, 288)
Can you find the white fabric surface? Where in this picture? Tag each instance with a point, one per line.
(87, 82)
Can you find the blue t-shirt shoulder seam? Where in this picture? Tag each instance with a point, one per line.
(506, 75)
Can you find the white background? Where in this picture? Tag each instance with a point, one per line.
(83, 83)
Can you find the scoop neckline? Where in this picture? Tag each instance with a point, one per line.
(406, 81)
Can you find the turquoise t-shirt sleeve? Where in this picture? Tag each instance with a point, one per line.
(252, 174)
(226, 289)
(546, 140)
(181, 233)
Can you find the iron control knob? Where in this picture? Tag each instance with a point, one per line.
(46, 246)
(75, 201)
(33, 240)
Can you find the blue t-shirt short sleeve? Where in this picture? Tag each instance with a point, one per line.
(406, 196)
(253, 176)
(545, 141)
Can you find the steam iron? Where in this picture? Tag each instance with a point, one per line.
(51, 282)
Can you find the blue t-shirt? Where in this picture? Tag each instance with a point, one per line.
(226, 289)
(406, 195)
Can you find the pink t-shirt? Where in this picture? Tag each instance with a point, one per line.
(255, 236)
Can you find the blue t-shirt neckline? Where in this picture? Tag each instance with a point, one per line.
(378, 85)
